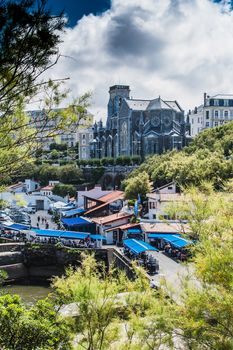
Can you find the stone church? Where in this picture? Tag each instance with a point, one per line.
(139, 127)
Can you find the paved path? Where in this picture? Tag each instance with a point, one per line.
(173, 272)
(42, 213)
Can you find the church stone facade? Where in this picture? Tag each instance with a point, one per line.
(139, 127)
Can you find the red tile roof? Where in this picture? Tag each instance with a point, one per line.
(111, 197)
(47, 188)
(92, 210)
(106, 199)
(123, 227)
(111, 218)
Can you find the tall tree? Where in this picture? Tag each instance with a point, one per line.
(138, 185)
(29, 38)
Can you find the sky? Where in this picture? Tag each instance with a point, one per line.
(176, 49)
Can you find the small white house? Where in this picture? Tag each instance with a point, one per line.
(47, 190)
(31, 185)
(103, 224)
(159, 199)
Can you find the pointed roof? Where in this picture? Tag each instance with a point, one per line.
(139, 105)
(158, 103)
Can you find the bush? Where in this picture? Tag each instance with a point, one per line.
(124, 160)
(107, 161)
(135, 160)
(63, 190)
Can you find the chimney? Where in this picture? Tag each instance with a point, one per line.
(204, 98)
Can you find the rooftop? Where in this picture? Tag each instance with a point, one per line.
(111, 197)
(47, 188)
(222, 96)
(123, 227)
(166, 197)
(157, 103)
(94, 193)
(163, 227)
(110, 218)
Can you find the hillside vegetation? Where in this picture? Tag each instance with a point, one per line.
(208, 157)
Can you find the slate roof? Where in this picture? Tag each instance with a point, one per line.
(95, 193)
(140, 105)
(222, 96)
(157, 103)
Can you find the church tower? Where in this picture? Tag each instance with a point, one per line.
(116, 94)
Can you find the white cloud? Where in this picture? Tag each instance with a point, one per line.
(174, 48)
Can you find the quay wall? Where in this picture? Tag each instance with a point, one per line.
(40, 262)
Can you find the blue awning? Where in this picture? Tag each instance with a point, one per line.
(138, 246)
(134, 230)
(75, 221)
(61, 234)
(73, 212)
(175, 240)
(17, 227)
(97, 237)
(163, 235)
(180, 243)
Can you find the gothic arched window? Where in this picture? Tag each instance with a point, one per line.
(124, 136)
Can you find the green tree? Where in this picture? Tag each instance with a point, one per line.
(139, 185)
(63, 190)
(208, 157)
(54, 154)
(107, 302)
(70, 174)
(34, 328)
(29, 38)
(48, 172)
(205, 316)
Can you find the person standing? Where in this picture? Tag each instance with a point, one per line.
(38, 219)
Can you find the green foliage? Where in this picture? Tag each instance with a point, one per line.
(29, 38)
(70, 174)
(208, 157)
(38, 327)
(96, 174)
(108, 161)
(123, 160)
(206, 314)
(3, 204)
(3, 276)
(140, 184)
(54, 154)
(63, 190)
(58, 146)
(107, 303)
(46, 173)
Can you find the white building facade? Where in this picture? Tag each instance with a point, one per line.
(215, 111)
(159, 200)
(85, 138)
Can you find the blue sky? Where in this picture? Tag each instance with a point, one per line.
(75, 9)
